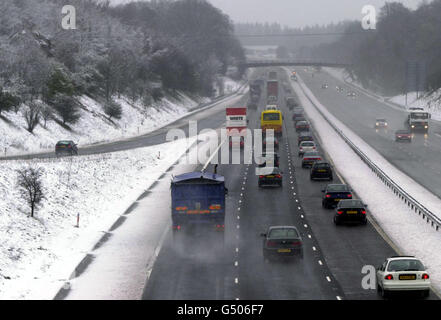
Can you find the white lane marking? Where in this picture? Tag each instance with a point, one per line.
(320, 262)
(236, 263)
(309, 236)
(338, 298)
(329, 279)
(301, 216)
(314, 248)
(236, 280)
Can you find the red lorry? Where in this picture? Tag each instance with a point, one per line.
(272, 93)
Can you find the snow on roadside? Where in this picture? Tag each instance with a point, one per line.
(430, 103)
(406, 229)
(34, 251)
(94, 126)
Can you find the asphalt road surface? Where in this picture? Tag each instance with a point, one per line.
(419, 159)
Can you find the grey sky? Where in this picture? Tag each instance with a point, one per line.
(297, 13)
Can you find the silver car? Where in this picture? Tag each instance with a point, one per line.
(306, 146)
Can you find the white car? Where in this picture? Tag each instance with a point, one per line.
(306, 146)
(402, 273)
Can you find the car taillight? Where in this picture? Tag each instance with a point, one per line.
(340, 212)
(260, 177)
(328, 196)
(296, 243)
(176, 227)
(313, 148)
(389, 277)
(349, 195)
(270, 243)
(363, 211)
(425, 276)
(278, 176)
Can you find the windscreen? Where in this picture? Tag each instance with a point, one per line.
(271, 116)
(405, 265)
(283, 233)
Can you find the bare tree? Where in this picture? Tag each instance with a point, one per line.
(47, 114)
(32, 114)
(31, 187)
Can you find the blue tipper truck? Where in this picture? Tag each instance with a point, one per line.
(198, 199)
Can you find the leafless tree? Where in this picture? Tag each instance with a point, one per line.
(30, 187)
(32, 113)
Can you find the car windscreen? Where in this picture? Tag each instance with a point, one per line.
(307, 144)
(271, 116)
(321, 166)
(337, 187)
(283, 233)
(350, 203)
(405, 265)
(419, 115)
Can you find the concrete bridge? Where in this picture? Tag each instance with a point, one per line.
(279, 63)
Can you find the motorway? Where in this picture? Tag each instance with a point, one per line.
(420, 159)
(334, 256)
(197, 266)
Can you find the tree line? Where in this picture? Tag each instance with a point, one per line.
(140, 50)
(380, 58)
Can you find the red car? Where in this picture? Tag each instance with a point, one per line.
(403, 135)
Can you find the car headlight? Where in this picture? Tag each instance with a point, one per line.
(376, 124)
(425, 127)
(413, 126)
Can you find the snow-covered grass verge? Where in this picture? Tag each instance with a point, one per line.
(430, 103)
(94, 126)
(411, 234)
(38, 254)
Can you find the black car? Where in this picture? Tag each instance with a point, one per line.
(66, 147)
(273, 155)
(350, 211)
(270, 177)
(324, 86)
(282, 241)
(321, 170)
(304, 136)
(333, 193)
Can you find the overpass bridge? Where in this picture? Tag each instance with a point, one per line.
(280, 63)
